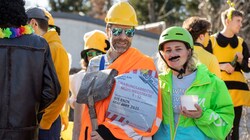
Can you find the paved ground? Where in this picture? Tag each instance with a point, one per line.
(245, 124)
(245, 118)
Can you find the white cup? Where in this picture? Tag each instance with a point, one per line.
(189, 101)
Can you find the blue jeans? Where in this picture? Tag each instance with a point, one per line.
(53, 133)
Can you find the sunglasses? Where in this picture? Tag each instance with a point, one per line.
(128, 32)
(92, 54)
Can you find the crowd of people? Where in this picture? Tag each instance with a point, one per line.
(149, 96)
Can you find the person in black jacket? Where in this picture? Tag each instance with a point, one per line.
(28, 82)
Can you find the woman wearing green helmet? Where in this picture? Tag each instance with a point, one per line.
(209, 113)
(183, 38)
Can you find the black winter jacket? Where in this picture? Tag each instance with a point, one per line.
(28, 84)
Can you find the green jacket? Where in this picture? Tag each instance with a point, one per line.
(217, 109)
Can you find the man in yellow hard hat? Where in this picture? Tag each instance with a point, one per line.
(120, 28)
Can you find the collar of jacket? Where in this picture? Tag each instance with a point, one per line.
(202, 77)
(198, 44)
(224, 41)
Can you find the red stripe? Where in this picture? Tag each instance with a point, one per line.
(150, 72)
(134, 71)
(113, 117)
(107, 114)
(121, 119)
(156, 75)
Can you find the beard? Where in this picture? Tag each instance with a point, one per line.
(121, 45)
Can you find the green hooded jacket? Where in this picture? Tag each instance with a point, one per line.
(214, 99)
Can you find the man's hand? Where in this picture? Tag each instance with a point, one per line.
(191, 113)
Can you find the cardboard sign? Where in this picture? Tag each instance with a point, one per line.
(134, 100)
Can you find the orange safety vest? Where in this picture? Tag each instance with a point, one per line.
(132, 59)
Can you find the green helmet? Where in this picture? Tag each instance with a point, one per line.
(176, 33)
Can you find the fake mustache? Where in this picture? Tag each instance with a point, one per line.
(175, 57)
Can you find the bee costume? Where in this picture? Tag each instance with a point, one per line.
(225, 50)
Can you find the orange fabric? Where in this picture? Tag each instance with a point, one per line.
(61, 63)
(130, 60)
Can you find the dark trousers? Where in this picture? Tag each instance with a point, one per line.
(53, 133)
(234, 134)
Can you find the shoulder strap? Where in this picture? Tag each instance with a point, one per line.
(102, 63)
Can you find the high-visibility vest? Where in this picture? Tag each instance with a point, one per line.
(132, 59)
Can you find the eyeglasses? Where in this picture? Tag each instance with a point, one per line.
(128, 32)
(92, 54)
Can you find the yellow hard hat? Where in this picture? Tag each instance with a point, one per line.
(122, 13)
(51, 20)
(95, 40)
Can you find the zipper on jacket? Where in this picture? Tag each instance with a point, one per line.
(176, 127)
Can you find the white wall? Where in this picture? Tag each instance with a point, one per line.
(73, 27)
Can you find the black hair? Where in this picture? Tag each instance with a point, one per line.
(12, 13)
(196, 26)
